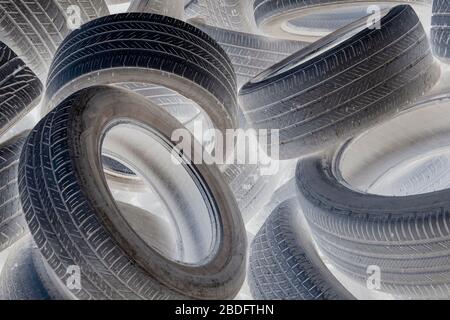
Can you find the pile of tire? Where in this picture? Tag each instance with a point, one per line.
(99, 202)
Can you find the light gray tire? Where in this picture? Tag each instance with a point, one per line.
(317, 99)
(440, 30)
(25, 276)
(88, 229)
(181, 58)
(227, 14)
(313, 19)
(172, 8)
(20, 89)
(33, 30)
(406, 236)
(284, 267)
(89, 9)
(12, 221)
(251, 54)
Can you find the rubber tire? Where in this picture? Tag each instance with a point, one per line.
(271, 15)
(132, 270)
(24, 275)
(27, 276)
(251, 54)
(440, 30)
(20, 89)
(172, 8)
(183, 59)
(90, 9)
(281, 269)
(12, 222)
(33, 30)
(406, 236)
(344, 90)
(236, 15)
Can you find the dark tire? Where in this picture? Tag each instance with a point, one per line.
(12, 221)
(233, 15)
(81, 224)
(406, 236)
(183, 59)
(440, 30)
(317, 101)
(20, 89)
(89, 9)
(310, 20)
(33, 30)
(280, 268)
(251, 54)
(172, 8)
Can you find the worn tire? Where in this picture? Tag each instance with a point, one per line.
(89, 9)
(116, 263)
(406, 236)
(20, 89)
(280, 268)
(25, 275)
(12, 221)
(440, 30)
(227, 14)
(33, 30)
(318, 101)
(182, 58)
(173, 8)
(310, 20)
(251, 54)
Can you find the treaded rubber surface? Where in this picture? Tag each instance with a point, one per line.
(251, 54)
(227, 14)
(63, 212)
(20, 89)
(59, 220)
(89, 9)
(148, 42)
(12, 223)
(406, 237)
(348, 88)
(440, 29)
(33, 29)
(279, 268)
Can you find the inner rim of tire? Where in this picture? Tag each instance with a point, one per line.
(175, 214)
(387, 159)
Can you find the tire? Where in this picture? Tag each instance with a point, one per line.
(89, 9)
(183, 59)
(281, 269)
(311, 20)
(27, 276)
(251, 54)
(233, 15)
(24, 275)
(115, 261)
(33, 30)
(20, 89)
(406, 236)
(12, 222)
(173, 8)
(440, 30)
(247, 184)
(317, 101)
